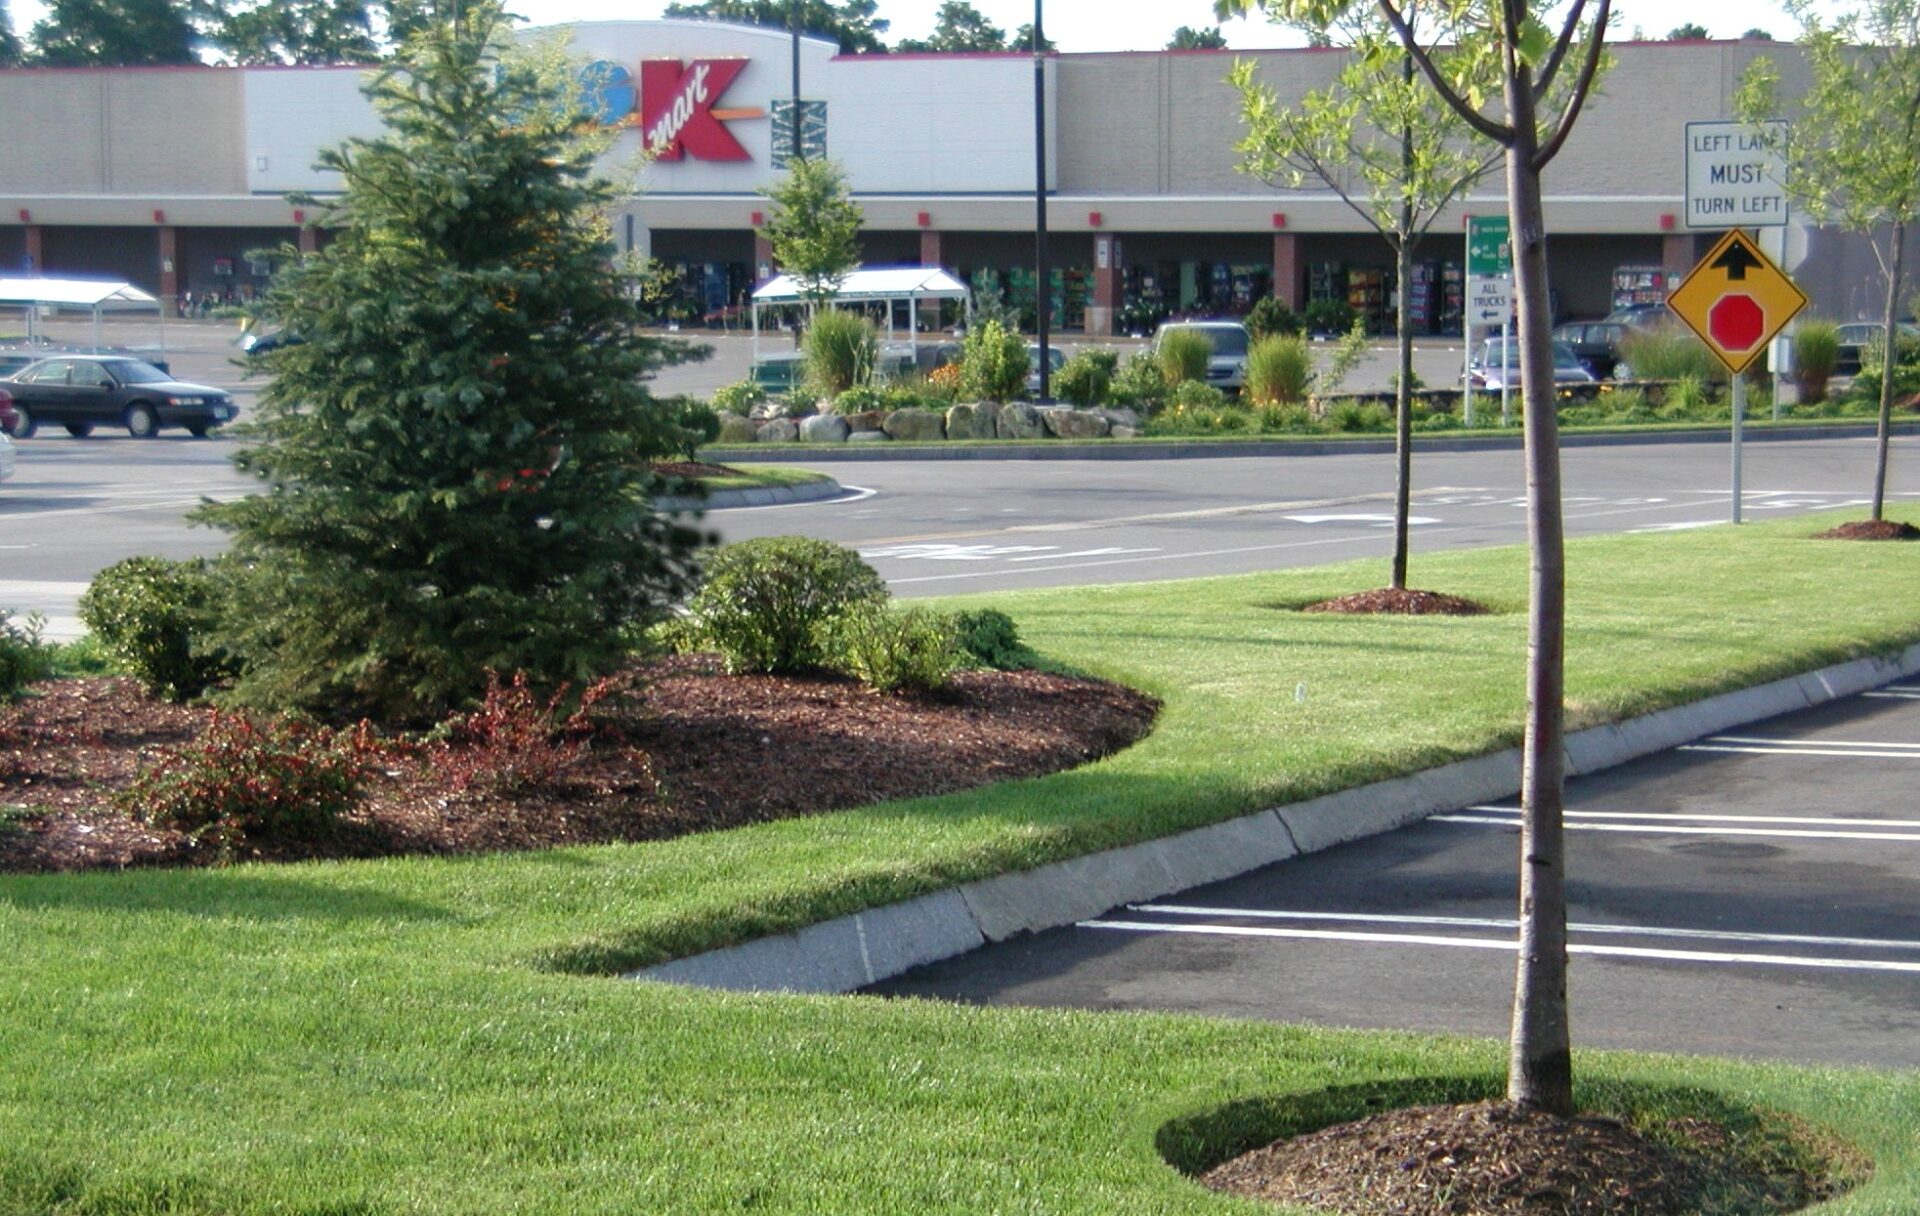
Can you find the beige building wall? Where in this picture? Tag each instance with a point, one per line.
(146, 132)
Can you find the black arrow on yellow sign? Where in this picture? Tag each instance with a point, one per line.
(1736, 261)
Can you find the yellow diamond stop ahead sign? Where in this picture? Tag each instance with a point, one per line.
(1736, 300)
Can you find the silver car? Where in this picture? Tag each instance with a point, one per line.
(1227, 366)
(1493, 367)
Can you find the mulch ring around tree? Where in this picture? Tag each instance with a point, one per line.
(1871, 529)
(1403, 600)
(1497, 1159)
(689, 749)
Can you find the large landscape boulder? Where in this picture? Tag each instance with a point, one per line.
(824, 428)
(971, 421)
(867, 420)
(779, 430)
(915, 424)
(1018, 420)
(868, 437)
(1075, 424)
(1121, 415)
(736, 429)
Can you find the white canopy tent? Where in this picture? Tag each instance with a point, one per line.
(94, 296)
(878, 285)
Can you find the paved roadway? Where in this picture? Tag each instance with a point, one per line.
(1753, 894)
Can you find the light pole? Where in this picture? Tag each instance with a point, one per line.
(793, 23)
(1042, 288)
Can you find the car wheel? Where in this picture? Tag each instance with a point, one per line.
(198, 429)
(142, 422)
(79, 430)
(24, 423)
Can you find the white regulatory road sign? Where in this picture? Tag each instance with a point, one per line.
(1489, 300)
(1735, 175)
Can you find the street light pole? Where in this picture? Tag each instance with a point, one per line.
(1042, 287)
(793, 22)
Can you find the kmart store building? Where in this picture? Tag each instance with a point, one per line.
(168, 177)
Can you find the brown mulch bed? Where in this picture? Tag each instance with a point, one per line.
(1405, 600)
(691, 469)
(1871, 529)
(692, 750)
(1481, 1159)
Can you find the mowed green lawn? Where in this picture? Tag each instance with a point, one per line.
(441, 1036)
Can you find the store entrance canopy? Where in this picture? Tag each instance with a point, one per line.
(92, 296)
(879, 285)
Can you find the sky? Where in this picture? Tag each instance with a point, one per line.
(1129, 25)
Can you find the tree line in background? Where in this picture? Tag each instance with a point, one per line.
(130, 33)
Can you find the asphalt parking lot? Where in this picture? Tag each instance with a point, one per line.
(1750, 894)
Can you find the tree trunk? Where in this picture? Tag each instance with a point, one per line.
(1887, 366)
(1540, 1068)
(1403, 413)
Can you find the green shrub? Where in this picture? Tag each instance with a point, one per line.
(1328, 317)
(1359, 417)
(888, 650)
(1668, 352)
(242, 780)
(1085, 379)
(989, 638)
(739, 397)
(698, 423)
(904, 396)
(993, 363)
(1816, 348)
(1285, 419)
(802, 399)
(761, 601)
(1279, 370)
(1689, 399)
(24, 657)
(1200, 409)
(1438, 420)
(1183, 355)
(1272, 317)
(155, 616)
(1139, 383)
(839, 349)
(859, 399)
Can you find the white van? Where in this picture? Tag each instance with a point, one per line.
(1227, 366)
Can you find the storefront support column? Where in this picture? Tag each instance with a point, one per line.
(36, 246)
(763, 267)
(1677, 255)
(1105, 309)
(309, 238)
(1286, 269)
(169, 248)
(929, 247)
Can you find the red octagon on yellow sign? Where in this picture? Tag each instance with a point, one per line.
(1736, 300)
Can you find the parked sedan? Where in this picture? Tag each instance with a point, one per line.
(80, 392)
(1595, 343)
(1864, 342)
(1490, 371)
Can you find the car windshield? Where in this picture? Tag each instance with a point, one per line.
(1563, 355)
(133, 371)
(1228, 340)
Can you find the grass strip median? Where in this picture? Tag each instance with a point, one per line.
(414, 1034)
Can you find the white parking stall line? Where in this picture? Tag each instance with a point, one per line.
(1508, 944)
(1483, 922)
(1662, 817)
(1655, 829)
(1881, 753)
(1768, 740)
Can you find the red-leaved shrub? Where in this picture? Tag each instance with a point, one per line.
(516, 740)
(243, 780)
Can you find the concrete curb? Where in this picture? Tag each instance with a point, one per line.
(1173, 449)
(765, 496)
(852, 951)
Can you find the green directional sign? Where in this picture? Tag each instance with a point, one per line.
(1489, 247)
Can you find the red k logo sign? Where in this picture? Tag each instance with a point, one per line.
(676, 108)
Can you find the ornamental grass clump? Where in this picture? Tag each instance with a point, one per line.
(1183, 355)
(1279, 370)
(1668, 352)
(839, 348)
(1816, 349)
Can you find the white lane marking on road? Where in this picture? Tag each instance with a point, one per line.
(1686, 526)
(1677, 830)
(955, 553)
(1481, 922)
(1894, 694)
(155, 504)
(1488, 943)
(1080, 553)
(1363, 518)
(1766, 739)
(1661, 817)
(1852, 752)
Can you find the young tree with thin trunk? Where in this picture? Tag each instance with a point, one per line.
(813, 226)
(1383, 141)
(1852, 149)
(1530, 58)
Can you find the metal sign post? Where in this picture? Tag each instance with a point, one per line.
(1489, 293)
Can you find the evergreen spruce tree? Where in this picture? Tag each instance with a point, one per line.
(456, 458)
(114, 33)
